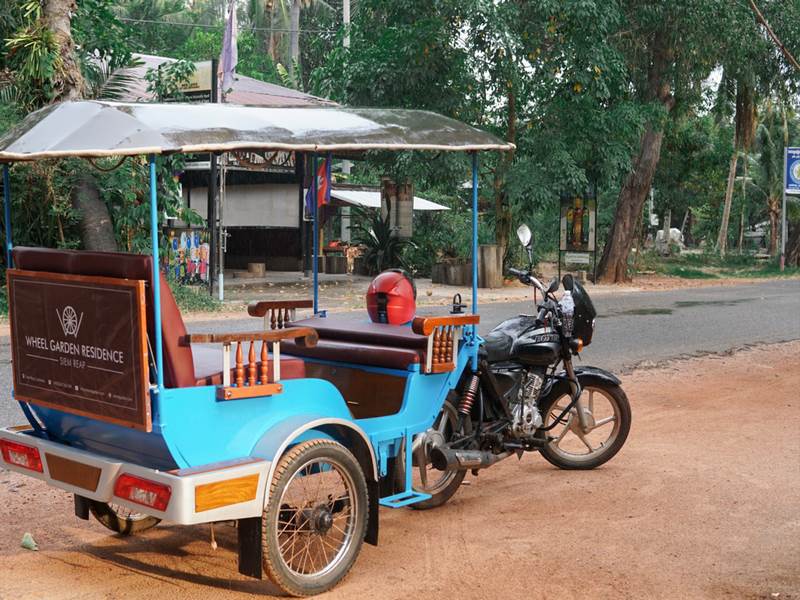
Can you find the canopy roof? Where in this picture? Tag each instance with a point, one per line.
(372, 199)
(96, 129)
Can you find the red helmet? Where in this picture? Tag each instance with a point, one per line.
(391, 298)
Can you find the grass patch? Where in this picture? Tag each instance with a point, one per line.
(194, 298)
(687, 272)
(711, 266)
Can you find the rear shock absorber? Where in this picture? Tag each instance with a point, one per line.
(469, 395)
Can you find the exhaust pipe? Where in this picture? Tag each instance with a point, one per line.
(447, 459)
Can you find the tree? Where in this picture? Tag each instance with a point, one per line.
(668, 49)
(46, 66)
(744, 130)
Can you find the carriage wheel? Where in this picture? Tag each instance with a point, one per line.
(120, 519)
(315, 519)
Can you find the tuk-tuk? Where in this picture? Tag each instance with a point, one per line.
(296, 430)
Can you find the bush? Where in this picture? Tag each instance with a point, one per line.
(193, 298)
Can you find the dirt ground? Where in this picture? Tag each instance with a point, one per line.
(703, 502)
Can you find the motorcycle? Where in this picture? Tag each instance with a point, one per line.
(527, 396)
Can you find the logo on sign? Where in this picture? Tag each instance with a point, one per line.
(796, 171)
(70, 322)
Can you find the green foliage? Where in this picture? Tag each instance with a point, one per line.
(167, 81)
(193, 298)
(383, 249)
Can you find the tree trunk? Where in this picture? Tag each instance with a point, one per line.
(69, 84)
(502, 213)
(97, 231)
(774, 209)
(294, 35)
(793, 247)
(272, 43)
(722, 238)
(613, 265)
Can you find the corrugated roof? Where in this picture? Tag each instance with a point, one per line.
(246, 90)
(95, 129)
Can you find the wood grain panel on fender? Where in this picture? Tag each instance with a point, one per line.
(224, 493)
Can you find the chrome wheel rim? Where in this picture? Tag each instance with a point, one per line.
(573, 443)
(316, 522)
(126, 514)
(424, 477)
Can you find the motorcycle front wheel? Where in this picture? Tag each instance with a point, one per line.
(609, 415)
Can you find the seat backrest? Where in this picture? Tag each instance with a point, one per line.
(178, 364)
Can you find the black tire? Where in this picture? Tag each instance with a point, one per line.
(440, 496)
(120, 520)
(622, 409)
(279, 516)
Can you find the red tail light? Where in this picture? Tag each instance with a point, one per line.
(141, 491)
(21, 455)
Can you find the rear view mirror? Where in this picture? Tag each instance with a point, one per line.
(524, 234)
(554, 283)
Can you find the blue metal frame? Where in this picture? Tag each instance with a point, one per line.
(156, 273)
(475, 345)
(315, 232)
(7, 211)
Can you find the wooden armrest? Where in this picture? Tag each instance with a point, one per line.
(426, 325)
(304, 336)
(260, 309)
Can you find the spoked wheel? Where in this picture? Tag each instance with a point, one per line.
(315, 519)
(441, 485)
(609, 417)
(120, 519)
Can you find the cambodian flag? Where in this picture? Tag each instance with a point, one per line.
(323, 186)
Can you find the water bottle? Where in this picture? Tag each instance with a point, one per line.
(567, 305)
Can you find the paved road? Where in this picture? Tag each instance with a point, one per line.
(632, 328)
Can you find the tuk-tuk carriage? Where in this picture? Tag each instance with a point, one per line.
(295, 430)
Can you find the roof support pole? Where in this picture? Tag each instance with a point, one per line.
(315, 231)
(156, 272)
(7, 213)
(474, 258)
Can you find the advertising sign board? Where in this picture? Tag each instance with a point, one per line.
(79, 344)
(792, 167)
(578, 218)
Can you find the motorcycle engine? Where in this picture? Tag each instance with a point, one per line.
(525, 412)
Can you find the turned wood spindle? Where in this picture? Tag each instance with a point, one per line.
(272, 320)
(251, 364)
(239, 365)
(264, 363)
(287, 317)
(437, 345)
(449, 346)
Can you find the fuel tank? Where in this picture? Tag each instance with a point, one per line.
(519, 339)
(537, 347)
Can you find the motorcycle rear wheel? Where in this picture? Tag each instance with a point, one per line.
(441, 485)
(606, 436)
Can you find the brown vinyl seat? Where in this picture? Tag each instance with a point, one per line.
(184, 366)
(361, 342)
